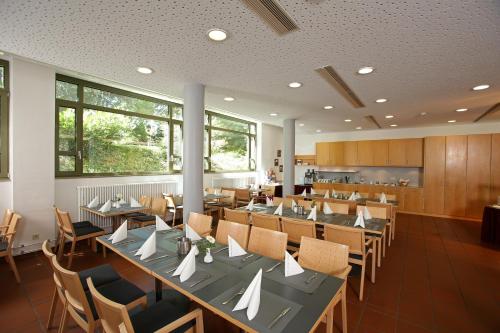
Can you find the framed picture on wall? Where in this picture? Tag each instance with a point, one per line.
(281, 168)
(278, 154)
(276, 162)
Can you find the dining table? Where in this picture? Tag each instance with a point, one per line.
(115, 213)
(304, 299)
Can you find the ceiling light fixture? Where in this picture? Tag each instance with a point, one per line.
(2, 53)
(365, 70)
(347, 120)
(394, 125)
(423, 113)
(481, 87)
(217, 35)
(389, 116)
(295, 84)
(327, 107)
(452, 121)
(359, 127)
(381, 100)
(144, 70)
(301, 125)
(273, 114)
(229, 99)
(318, 131)
(461, 110)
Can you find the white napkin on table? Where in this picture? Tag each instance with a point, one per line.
(106, 207)
(334, 194)
(122, 201)
(327, 194)
(251, 298)
(250, 205)
(366, 214)
(304, 193)
(312, 214)
(313, 191)
(134, 203)
(205, 193)
(94, 203)
(360, 221)
(191, 234)
(279, 210)
(148, 248)
(294, 204)
(119, 234)
(352, 197)
(235, 249)
(326, 208)
(292, 267)
(161, 225)
(383, 198)
(269, 202)
(187, 266)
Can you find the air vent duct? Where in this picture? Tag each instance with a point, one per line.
(273, 15)
(373, 121)
(329, 74)
(494, 108)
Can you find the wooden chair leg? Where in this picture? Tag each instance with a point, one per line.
(373, 266)
(62, 323)
(70, 260)
(393, 228)
(378, 254)
(53, 307)
(344, 308)
(104, 251)
(199, 323)
(390, 235)
(329, 320)
(12, 264)
(60, 251)
(93, 244)
(383, 244)
(362, 280)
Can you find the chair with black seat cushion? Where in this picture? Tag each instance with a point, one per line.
(158, 207)
(159, 317)
(6, 244)
(79, 301)
(145, 202)
(60, 235)
(75, 234)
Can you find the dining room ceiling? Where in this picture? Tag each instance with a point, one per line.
(427, 54)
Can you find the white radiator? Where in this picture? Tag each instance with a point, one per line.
(106, 192)
(233, 182)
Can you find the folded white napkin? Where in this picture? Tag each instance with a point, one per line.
(250, 205)
(94, 203)
(360, 221)
(279, 210)
(383, 198)
(326, 208)
(216, 191)
(334, 194)
(304, 193)
(357, 195)
(312, 214)
(191, 234)
(269, 202)
(292, 267)
(122, 201)
(119, 234)
(161, 225)
(251, 298)
(352, 197)
(148, 248)
(134, 203)
(313, 191)
(366, 214)
(235, 249)
(294, 204)
(106, 207)
(187, 266)
(205, 193)
(327, 194)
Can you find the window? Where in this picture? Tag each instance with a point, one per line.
(4, 119)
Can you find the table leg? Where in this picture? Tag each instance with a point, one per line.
(158, 289)
(115, 222)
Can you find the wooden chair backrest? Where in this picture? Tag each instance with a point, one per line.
(388, 207)
(269, 190)
(308, 204)
(287, 202)
(112, 314)
(352, 237)
(159, 207)
(170, 201)
(268, 243)
(387, 196)
(266, 221)
(65, 220)
(350, 203)
(323, 256)
(239, 232)
(242, 194)
(239, 216)
(320, 191)
(211, 190)
(376, 212)
(338, 208)
(145, 201)
(7, 216)
(364, 194)
(57, 280)
(11, 231)
(231, 197)
(202, 224)
(298, 228)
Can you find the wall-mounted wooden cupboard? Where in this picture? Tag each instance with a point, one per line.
(398, 153)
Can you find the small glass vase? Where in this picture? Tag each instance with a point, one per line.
(208, 257)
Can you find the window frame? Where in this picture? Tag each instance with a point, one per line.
(4, 121)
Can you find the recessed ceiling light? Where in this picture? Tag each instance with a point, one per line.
(301, 125)
(365, 70)
(273, 114)
(229, 99)
(394, 125)
(144, 70)
(217, 35)
(481, 87)
(318, 131)
(327, 107)
(381, 100)
(423, 113)
(452, 121)
(359, 127)
(1, 53)
(461, 110)
(389, 116)
(347, 120)
(295, 84)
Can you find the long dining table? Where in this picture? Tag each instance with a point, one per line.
(308, 296)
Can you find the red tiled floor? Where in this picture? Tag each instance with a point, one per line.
(436, 277)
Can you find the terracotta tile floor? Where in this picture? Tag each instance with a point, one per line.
(436, 277)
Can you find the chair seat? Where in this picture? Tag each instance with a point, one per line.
(3, 245)
(145, 218)
(87, 230)
(100, 275)
(82, 224)
(159, 315)
(120, 291)
(135, 214)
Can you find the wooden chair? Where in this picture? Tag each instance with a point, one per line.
(7, 216)
(364, 194)
(384, 212)
(336, 207)
(296, 229)
(158, 207)
(287, 202)
(173, 208)
(7, 242)
(350, 203)
(80, 305)
(159, 317)
(239, 216)
(266, 221)
(332, 259)
(239, 232)
(268, 243)
(200, 223)
(391, 213)
(320, 191)
(144, 201)
(268, 190)
(308, 204)
(242, 196)
(212, 190)
(359, 248)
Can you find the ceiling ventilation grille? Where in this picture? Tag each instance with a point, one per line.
(329, 74)
(373, 121)
(273, 14)
(493, 109)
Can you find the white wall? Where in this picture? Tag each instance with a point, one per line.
(271, 141)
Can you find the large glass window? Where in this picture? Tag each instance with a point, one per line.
(4, 119)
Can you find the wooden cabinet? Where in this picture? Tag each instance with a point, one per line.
(380, 151)
(478, 174)
(350, 153)
(329, 153)
(365, 153)
(455, 175)
(434, 172)
(322, 153)
(413, 200)
(336, 153)
(397, 152)
(406, 152)
(495, 168)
